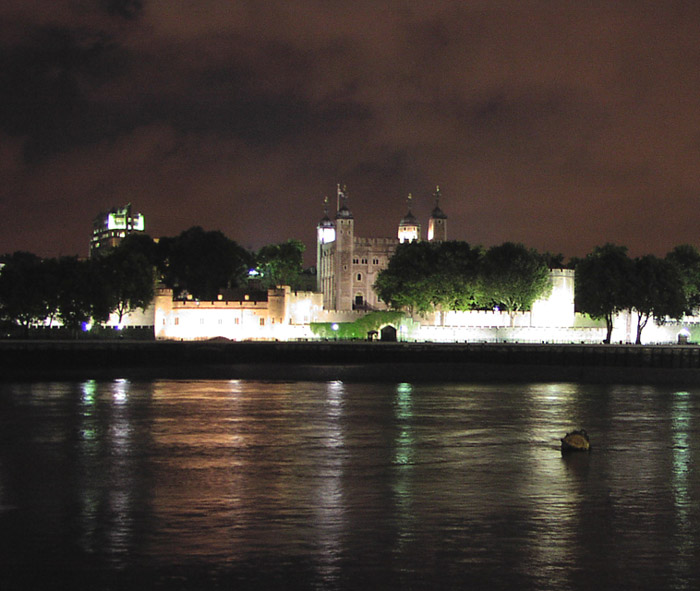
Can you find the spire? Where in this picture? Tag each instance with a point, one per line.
(409, 219)
(437, 212)
(325, 220)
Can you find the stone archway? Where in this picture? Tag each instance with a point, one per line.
(388, 333)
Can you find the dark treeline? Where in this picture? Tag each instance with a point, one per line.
(420, 277)
(608, 281)
(426, 276)
(74, 292)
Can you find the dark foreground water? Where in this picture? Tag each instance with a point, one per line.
(268, 485)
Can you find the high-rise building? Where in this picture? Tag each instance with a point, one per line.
(347, 266)
(110, 228)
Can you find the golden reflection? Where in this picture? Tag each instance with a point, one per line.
(552, 484)
(404, 447)
(681, 426)
(404, 458)
(106, 466)
(329, 498)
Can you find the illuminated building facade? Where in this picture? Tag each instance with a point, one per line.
(110, 228)
(347, 265)
(239, 315)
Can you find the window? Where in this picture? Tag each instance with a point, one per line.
(364, 261)
(262, 322)
(177, 320)
(375, 261)
(355, 261)
(359, 276)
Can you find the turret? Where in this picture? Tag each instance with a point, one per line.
(437, 226)
(325, 231)
(345, 244)
(325, 234)
(409, 228)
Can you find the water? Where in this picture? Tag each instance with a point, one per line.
(331, 485)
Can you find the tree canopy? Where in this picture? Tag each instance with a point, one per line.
(128, 274)
(686, 259)
(26, 289)
(280, 264)
(514, 276)
(201, 263)
(603, 283)
(424, 275)
(656, 291)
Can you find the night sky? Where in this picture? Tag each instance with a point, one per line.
(559, 124)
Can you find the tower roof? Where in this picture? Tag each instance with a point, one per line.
(325, 221)
(409, 219)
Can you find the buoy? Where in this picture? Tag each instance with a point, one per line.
(576, 441)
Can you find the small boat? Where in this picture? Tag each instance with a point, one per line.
(576, 441)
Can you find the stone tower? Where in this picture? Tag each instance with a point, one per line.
(344, 241)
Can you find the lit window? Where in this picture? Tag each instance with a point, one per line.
(262, 322)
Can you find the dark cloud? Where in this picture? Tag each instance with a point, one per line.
(128, 9)
(559, 126)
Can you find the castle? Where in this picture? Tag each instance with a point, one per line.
(347, 268)
(347, 265)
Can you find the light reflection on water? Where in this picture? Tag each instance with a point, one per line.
(346, 485)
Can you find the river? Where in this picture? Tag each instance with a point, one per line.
(250, 484)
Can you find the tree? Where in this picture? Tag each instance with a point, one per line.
(405, 283)
(603, 283)
(202, 263)
(129, 275)
(81, 295)
(686, 259)
(280, 264)
(657, 291)
(23, 291)
(456, 282)
(424, 276)
(513, 277)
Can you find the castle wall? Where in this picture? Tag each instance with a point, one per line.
(285, 315)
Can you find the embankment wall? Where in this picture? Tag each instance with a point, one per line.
(314, 360)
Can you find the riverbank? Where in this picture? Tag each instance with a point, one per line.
(329, 360)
